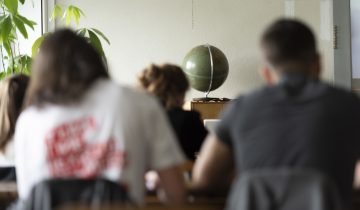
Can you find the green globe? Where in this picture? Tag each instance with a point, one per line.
(206, 67)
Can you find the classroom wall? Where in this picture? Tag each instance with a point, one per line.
(145, 31)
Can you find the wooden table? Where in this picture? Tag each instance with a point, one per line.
(209, 109)
(8, 193)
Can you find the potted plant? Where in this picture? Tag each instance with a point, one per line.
(13, 25)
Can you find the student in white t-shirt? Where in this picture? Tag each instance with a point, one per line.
(78, 123)
(12, 93)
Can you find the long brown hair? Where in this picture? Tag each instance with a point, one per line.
(12, 92)
(167, 82)
(64, 69)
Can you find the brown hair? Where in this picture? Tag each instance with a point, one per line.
(64, 69)
(289, 41)
(167, 82)
(12, 92)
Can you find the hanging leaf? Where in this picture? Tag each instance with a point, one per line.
(20, 26)
(2, 17)
(57, 12)
(76, 15)
(78, 11)
(22, 1)
(23, 64)
(67, 15)
(2, 75)
(81, 32)
(27, 22)
(96, 43)
(72, 13)
(12, 6)
(7, 47)
(6, 27)
(101, 35)
(37, 43)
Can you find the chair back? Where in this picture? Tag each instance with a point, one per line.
(283, 189)
(7, 174)
(51, 194)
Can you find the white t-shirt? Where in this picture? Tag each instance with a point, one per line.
(115, 132)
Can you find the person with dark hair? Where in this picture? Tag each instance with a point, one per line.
(296, 121)
(169, 84)
(79, 124)
(12, 93)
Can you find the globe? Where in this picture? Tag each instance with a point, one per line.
(206, 67)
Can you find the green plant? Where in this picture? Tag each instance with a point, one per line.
(73, 14)
(12, 24)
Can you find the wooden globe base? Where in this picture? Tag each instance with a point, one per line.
(208, 99)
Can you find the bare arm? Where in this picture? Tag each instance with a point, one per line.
(172, 182)
(214, 168)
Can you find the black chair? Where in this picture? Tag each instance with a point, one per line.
(283, 189)
(54, 193)
(7, 174)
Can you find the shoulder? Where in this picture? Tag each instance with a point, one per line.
(29, 114)
(342, 95)
(139, 97)
(127, 94)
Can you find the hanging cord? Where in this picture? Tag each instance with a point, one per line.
(212, 71)
(192, 14)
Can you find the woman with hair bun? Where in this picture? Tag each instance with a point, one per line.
(169, 84)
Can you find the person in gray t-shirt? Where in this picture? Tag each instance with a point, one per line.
(294, 121)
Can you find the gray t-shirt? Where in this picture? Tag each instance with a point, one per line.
(300, 123)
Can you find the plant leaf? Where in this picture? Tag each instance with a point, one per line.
(6, 28)
(2, 75)
(96, 43)
(67, 16)
(24, 63)
(22, 1)
(72, 13)
(12, 6)
(7, 47)
(76, 15)
(35, 47)
(81, 32)
(2, 17)
(27, 22)
(20, 26)
(101, 35)
(57, 12)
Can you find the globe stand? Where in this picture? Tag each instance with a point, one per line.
(208, 99)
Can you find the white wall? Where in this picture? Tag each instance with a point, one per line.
(145, 31)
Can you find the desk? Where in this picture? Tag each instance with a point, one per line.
(209, 109)
(8, 194)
